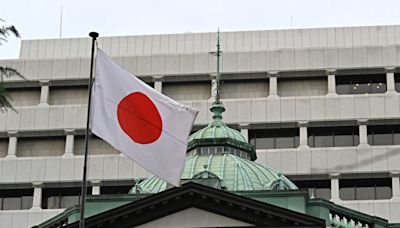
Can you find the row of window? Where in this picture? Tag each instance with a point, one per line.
(245, 88)
(55, 198)
(350, 189)
(340, 136)
(279, 138)
(52, 198)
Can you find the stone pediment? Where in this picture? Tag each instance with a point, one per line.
(224, 205)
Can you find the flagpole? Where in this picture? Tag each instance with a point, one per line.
(94, 36)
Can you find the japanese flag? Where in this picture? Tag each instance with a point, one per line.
(148, 127)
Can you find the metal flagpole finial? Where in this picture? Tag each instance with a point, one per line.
(94, 35)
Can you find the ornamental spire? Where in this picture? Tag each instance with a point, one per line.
(217, 107)
(218, 95)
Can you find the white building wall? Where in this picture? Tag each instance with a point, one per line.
(63, 63)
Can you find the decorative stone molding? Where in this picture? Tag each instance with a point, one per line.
(273, 84)
(44, 93)
(96, 186)
(12, 144)
(158, 80)
(37, 196)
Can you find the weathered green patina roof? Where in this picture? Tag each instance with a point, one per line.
(217, 133)
(235, 173)
(217, 129)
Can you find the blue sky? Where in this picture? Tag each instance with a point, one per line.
(39, 19)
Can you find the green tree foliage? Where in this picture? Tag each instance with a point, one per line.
(5, 99)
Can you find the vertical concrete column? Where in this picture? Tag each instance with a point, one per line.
(69, 143)
(273, 84)
(158, 83)
(303, 135)
(12, 144)
(244, 130)
(390, 83)
(96, 187)
(395, 184)
(37, 196)
(334, 187)
(44, 93)
(331, 73)
(363, 132)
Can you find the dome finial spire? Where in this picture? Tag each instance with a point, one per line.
(218, 95)
(217, 107)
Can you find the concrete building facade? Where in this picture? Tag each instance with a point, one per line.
(322, 106)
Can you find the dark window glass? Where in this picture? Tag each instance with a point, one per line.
(333, 136)
(396, 138)
(361, 84)
(69, 201)
(323, 140)
(12, 203)
(26, 202)
(16, 199)
(274, 138)
(347, 193)
(343, 140)
(324, 193)
(365, 193)
(344, 89)
(316, 188)
(52, 202)
(365, 189)
(383, 192)
(284, 142)
(384, 135)
(397, 81)
(112, 190)
(54, 198)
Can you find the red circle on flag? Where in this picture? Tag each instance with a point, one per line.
(139, 118)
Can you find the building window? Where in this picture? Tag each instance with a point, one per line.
(397, 81)
(274, 138)
(384, 135)
(294, 87)
(361, 84)
(181, 91)
(115, 190)
(96, 146)
(55, 198)
(16, 199)
(3, 147)
(316, 188)
(24, 96)
(44, 146)
(333, 136)
(365, 189)
(233, 89)
(68, 95)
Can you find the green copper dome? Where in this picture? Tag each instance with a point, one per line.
(235, 174)
(217, 133)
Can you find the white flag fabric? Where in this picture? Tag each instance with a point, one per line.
(145, 125)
